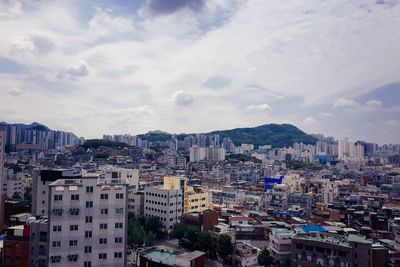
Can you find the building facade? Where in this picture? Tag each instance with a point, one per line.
(87, 222)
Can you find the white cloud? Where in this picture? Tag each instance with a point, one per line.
(141, 110)
(14, 91)
(260, 107)
(181, 98)
(22, 44)
(10, 8)
(325, 114)
(74, 71)
(391, 123)
(373, 104)
(345, 103)
(103, 21)
(310, 120)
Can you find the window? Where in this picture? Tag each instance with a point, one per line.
(56, 228)
(103, 196)
(89, 189)
(88, 249)
(74, 197)
(118, 225)
(72, 258)
(119, 196)
(74, 212)
(119, 210)
(73, 243)
(55, 259)
(88, 234)
(103, 226)
(117, 255)
(88, 219)
(118, 240)
(87, 264)
(89, 204)
(103, 211)
(102, 256)
(57, 212)
(102, 240)
(73, 227)
(43, 236)
(58, 197)
(56, 244)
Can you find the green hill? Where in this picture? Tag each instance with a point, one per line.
(277, 135)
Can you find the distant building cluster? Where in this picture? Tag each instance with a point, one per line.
(334, 203)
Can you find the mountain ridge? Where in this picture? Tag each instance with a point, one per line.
(277, 135)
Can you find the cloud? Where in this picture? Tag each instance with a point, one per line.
(105, 22)
(325, 114)
(141, 110)
(14, 91)
(22, 44)
(260, 107)
(345, 103)
(74, 71)
(309, 120)
(373, 104)
(182, 98)
(10, 8)
(162, 7)
(217, 82)
(391, 123)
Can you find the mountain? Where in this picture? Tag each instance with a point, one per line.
(277, 135)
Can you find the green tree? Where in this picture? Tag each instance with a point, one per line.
(16, 196)
(264, 258)
(286, 262)
(178, 230)
(149, 239)
(204, 241)
(191, 235)
(136, 233)
(153, 224)
(224, 246)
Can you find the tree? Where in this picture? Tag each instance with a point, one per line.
(178, 230)
(16, 195)
(153, 224)
(264, 258)
(149, 239)
(204, 241)
(191, 235)
(136, 233)
(287, 262)
(224, 246)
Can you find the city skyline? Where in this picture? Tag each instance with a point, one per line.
(196, 66)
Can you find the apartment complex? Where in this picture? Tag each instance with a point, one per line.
(165, 202)
(41, 180)
(87, 222)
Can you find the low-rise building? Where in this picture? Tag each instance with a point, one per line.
(280, 243)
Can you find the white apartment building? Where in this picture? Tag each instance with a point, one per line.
(165, 203)
(276, 198)
(209, 153)
(2, 155)
(13, 183)
(128, 176)
(228, 196)
(280, 243)
(87, 222)
(41, 180)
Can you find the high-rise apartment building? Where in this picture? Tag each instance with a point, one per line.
(2, 176)
(165, 202)
(41, 180)
(87, 222)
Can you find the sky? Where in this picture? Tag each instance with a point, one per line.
(132, 66)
